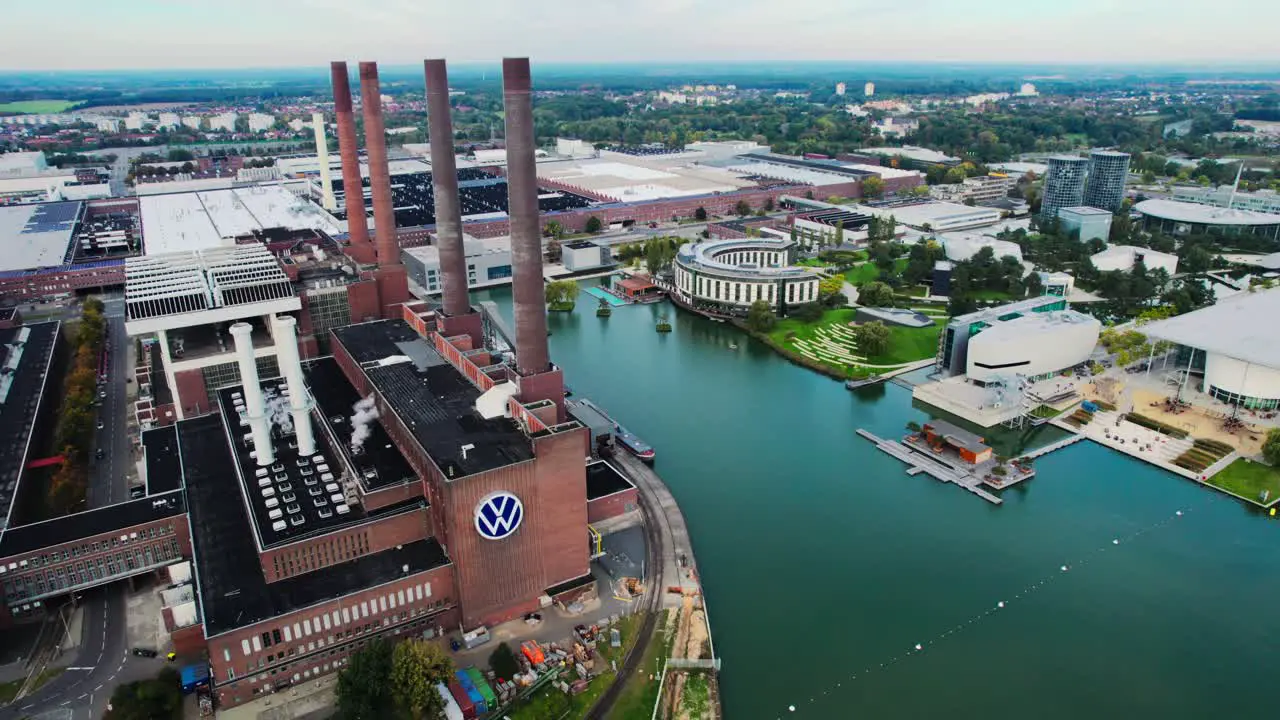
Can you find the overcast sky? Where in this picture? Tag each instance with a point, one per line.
(113, 34)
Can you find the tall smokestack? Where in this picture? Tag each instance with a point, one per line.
(322, 154)
(349, 151)
(286, 337)
(375, 142)
(444, 180)
(526, 234)
(255, 407)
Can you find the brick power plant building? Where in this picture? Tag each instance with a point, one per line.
(331, 482)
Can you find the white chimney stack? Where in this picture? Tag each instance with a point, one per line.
(286, 335)
(322, 152)
(255, 408)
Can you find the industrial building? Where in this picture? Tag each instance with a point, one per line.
(405, 481)
(1085, 223)
(488, 263)
(585, 256)
(932, 216)
(1108, 172)
(1229, 351)
(1228, 196)
(727, 276)
(1184, 218)
(1063, 184)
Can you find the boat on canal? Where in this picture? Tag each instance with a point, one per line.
(621, 436)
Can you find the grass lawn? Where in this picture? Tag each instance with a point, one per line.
(641, 691)
(549, 702)
(909, 344)
(1249, 479)
(37, 107)
(864, 273)
(9, 690)
(1044, 411)
(813, 262)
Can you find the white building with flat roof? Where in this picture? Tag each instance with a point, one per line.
(261, 122)
(189, 221)
(1264, 201)
(963, 246)
(1124, 257)
(225, 122)
(169, 121)
(1086, 223)
(488, 263)
(937, 216)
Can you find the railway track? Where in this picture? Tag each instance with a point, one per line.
(654, 534)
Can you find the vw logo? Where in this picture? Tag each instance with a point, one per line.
(498, 515)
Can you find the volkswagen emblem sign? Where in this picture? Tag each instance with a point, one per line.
(498, 515)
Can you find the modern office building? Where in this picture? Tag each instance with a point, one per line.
(1086, 222)
(1229, 350)
(1124, 257)
(488, 263)
(1264, 201)
(1185, 218)
(1035, 345)
(1063, 184)
(726, 276)
(953, 350)
(1108, 171)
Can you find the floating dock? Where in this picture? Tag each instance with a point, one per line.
(921, 464)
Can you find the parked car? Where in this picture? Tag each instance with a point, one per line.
(144, 652)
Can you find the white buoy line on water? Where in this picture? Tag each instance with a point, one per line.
(919, 647)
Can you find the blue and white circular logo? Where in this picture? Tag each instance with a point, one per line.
(498, 515)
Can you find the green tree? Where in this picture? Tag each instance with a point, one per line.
(593, 225)
(159, 698)
(742, 208)
(180, 155)
(1148, 177)
(416, 667)
(700, 214)
(807, 312)
(1271, 447)
(875, 294)
(560, 295)
(553, 229)
(363, 692)
(503, 660)
(760, 317)
(830, 290)
(872, 338)
(1034, 285)
(768, 204)
(872, 186)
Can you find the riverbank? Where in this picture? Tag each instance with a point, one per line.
(794, 518)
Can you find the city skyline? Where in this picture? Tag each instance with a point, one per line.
(237, 33)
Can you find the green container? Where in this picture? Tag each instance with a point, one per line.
(482, 685)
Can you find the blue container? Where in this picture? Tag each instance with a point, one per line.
(1090, 406)
(466, 682)
(477, 699)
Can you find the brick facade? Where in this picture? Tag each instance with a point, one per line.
(338, 547)
(292, 648)
(611, 506)
(191, 393)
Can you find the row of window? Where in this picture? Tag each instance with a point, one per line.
(343, 622)
(306, 668)
(88, 548)
(316, 555)
(90, 571)
(747, 292)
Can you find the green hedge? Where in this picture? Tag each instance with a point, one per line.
(1153, 424)
(1222, 449)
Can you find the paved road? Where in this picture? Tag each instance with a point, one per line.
(101, 661)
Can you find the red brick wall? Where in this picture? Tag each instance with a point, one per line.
(562, 496)
(338, 547)
(309, 652)
(189, 641)
(362, 298)
(392, 495)
(190, 392)
(612, 505)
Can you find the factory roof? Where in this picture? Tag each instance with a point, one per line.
(201, 280)
(633, 179)
(1084, 210)
(912, 152)
(1020, 167)
(1203, 214)
(1241, 327)
(198, 220)
(25, 354)
(378, 463)
(938, 215)
(603, 479)
(37, 235)
(161, 459)
(233, 591)
(435, 401)
(64, 529)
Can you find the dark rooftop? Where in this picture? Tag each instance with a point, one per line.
(957, 436)
(308, 502)
(379, 463)
(603, 479)
(580, 245)
(233, 591)
(435, 401)
(21, 403)
(26, 538)
(164, 465)
(834, 216)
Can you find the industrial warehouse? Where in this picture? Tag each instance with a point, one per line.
(335, 460)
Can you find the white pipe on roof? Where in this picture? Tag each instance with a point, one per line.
(255, 407)
(322, 154)
(286, 336)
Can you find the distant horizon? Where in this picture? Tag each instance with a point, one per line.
(164, 34)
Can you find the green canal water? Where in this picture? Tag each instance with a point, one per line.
(821, 558)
